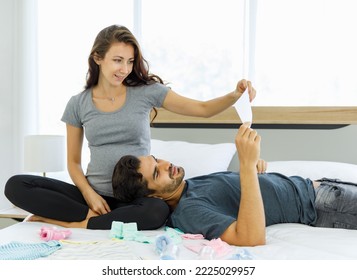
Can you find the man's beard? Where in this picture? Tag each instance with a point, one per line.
(173, 186)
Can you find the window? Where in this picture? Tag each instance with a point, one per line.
(196, 46)
(297, 52)
(305, 53)
(66, 32)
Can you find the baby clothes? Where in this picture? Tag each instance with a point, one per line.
(28, 251)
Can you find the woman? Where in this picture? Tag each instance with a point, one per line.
(113, 112)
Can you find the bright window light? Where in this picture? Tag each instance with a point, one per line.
(66, 32)
(298, 52)
(306, 53)
(196, 46)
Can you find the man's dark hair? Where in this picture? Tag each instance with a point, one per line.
(129, 184)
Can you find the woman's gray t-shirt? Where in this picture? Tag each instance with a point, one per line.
(111, 135)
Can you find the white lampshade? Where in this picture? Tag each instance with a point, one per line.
(44, 153)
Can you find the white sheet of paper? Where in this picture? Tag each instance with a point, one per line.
(244, 108)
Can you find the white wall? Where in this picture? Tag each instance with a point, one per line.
(280, 144)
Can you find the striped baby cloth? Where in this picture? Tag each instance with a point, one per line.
(28, 251)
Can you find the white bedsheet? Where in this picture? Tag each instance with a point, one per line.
(284, 242)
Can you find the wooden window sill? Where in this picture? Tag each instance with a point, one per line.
(266, 117)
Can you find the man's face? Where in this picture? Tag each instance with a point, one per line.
(162, 176)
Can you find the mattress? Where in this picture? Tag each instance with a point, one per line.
(291, 249)
(284, 242)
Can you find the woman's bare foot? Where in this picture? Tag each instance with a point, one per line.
(33, 218)
(81, 224)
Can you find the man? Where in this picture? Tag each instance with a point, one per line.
(237, 207)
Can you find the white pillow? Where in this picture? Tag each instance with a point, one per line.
(316, 169)
(196, 159)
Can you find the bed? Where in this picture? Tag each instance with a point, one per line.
(284, 241)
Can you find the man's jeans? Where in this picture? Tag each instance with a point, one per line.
(336, 204)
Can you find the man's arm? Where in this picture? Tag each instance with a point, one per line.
(249, 228)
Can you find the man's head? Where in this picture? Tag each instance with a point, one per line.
(145, 176)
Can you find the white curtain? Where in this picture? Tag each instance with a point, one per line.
(18, 83)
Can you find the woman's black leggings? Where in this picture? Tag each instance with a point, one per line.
(62, 201)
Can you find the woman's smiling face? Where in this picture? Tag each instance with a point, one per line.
(117, 63)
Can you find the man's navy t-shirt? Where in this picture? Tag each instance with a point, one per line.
(209, 204)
